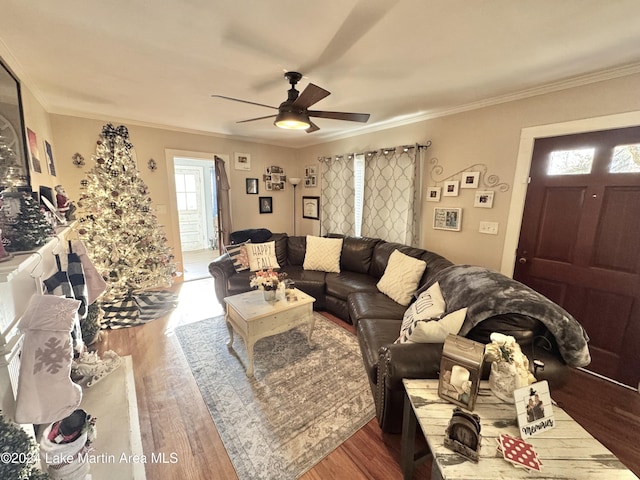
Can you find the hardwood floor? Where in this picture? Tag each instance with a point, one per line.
(174, 419)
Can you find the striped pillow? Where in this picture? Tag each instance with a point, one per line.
(238, 254)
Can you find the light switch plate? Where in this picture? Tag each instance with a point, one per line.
(490, 228)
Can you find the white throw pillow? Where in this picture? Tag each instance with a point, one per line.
(429, 304)
(323, 254)
(433, 330)
(401, 277)
(262, 256)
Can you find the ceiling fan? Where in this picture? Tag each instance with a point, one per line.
(294, 113)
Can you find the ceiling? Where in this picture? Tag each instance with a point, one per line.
(158, 63)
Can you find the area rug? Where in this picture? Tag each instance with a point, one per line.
(302, 403)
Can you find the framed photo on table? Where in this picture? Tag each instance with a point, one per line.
(311, 208)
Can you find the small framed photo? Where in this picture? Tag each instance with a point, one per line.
(470, 179)
(311, 181)
(451, 188)
(310, 170)
(266, 204)
(484, 199)
(48, 153)
(252, 186)
(433, 194)
(447, 219)
(311, 208)
(242, 161)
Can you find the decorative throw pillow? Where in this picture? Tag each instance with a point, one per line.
(433, 330)
(239, 256)
(323, 254)
(429, 304)
(401, 277)
(262, 255)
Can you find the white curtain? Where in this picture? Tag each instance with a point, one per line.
(337, 201)
(391, 199)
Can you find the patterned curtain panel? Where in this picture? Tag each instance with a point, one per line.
(337, 196)
(390, 194)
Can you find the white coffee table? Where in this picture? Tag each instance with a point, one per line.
(567, 451)
(253, 318)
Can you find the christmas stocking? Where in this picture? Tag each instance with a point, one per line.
(59, 284)
(96, 285)
(45, 390)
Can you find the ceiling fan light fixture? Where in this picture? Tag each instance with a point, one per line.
(292, 121)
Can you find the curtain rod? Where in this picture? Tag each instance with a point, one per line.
(384, 151)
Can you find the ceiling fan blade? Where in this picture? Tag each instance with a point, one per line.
(310, 95)
(244, 101)
(258, 118)
(351, 117)
(312, 127)
(364, 16)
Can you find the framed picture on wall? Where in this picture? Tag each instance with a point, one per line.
(433, 194)
(470, 179)
(311, 208)
(447, 218)
(451, 188)
(266, 204)
(484, 199)
(252, 186)
(242, 161)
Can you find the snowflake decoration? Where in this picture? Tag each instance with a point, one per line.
(53, 356)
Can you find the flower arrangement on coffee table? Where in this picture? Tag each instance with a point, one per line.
(267, 279)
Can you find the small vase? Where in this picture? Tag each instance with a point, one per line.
(269, 295)
(503, 381)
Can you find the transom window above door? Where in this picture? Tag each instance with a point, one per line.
(571, 162)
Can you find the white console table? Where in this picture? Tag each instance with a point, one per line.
(20, 278)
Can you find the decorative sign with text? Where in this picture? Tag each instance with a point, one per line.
(533, 404)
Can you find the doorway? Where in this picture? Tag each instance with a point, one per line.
(580, 240)
(196, 200)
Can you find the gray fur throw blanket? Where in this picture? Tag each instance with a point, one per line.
(487, 293)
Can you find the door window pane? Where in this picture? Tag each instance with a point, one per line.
(625, 159)
(571, 162)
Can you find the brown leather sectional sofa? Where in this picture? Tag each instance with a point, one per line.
(352, 295)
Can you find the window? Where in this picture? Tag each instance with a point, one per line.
(186, 192)
(358, 186)
(625, 159)
(571, 162)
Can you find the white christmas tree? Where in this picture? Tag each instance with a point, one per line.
(123, 237)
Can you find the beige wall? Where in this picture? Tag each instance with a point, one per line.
(489, 136)
(73, 134)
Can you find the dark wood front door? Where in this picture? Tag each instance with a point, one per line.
(580, 240)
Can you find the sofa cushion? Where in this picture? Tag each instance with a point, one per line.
(341, 284)
(374, 305)
(296, 246)
(262, 256)
(281, 240)
(357, 253)
(401, 277)
(239, 256)
(256, 235)
(521, 327)
(433, 330)
(323, 254)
